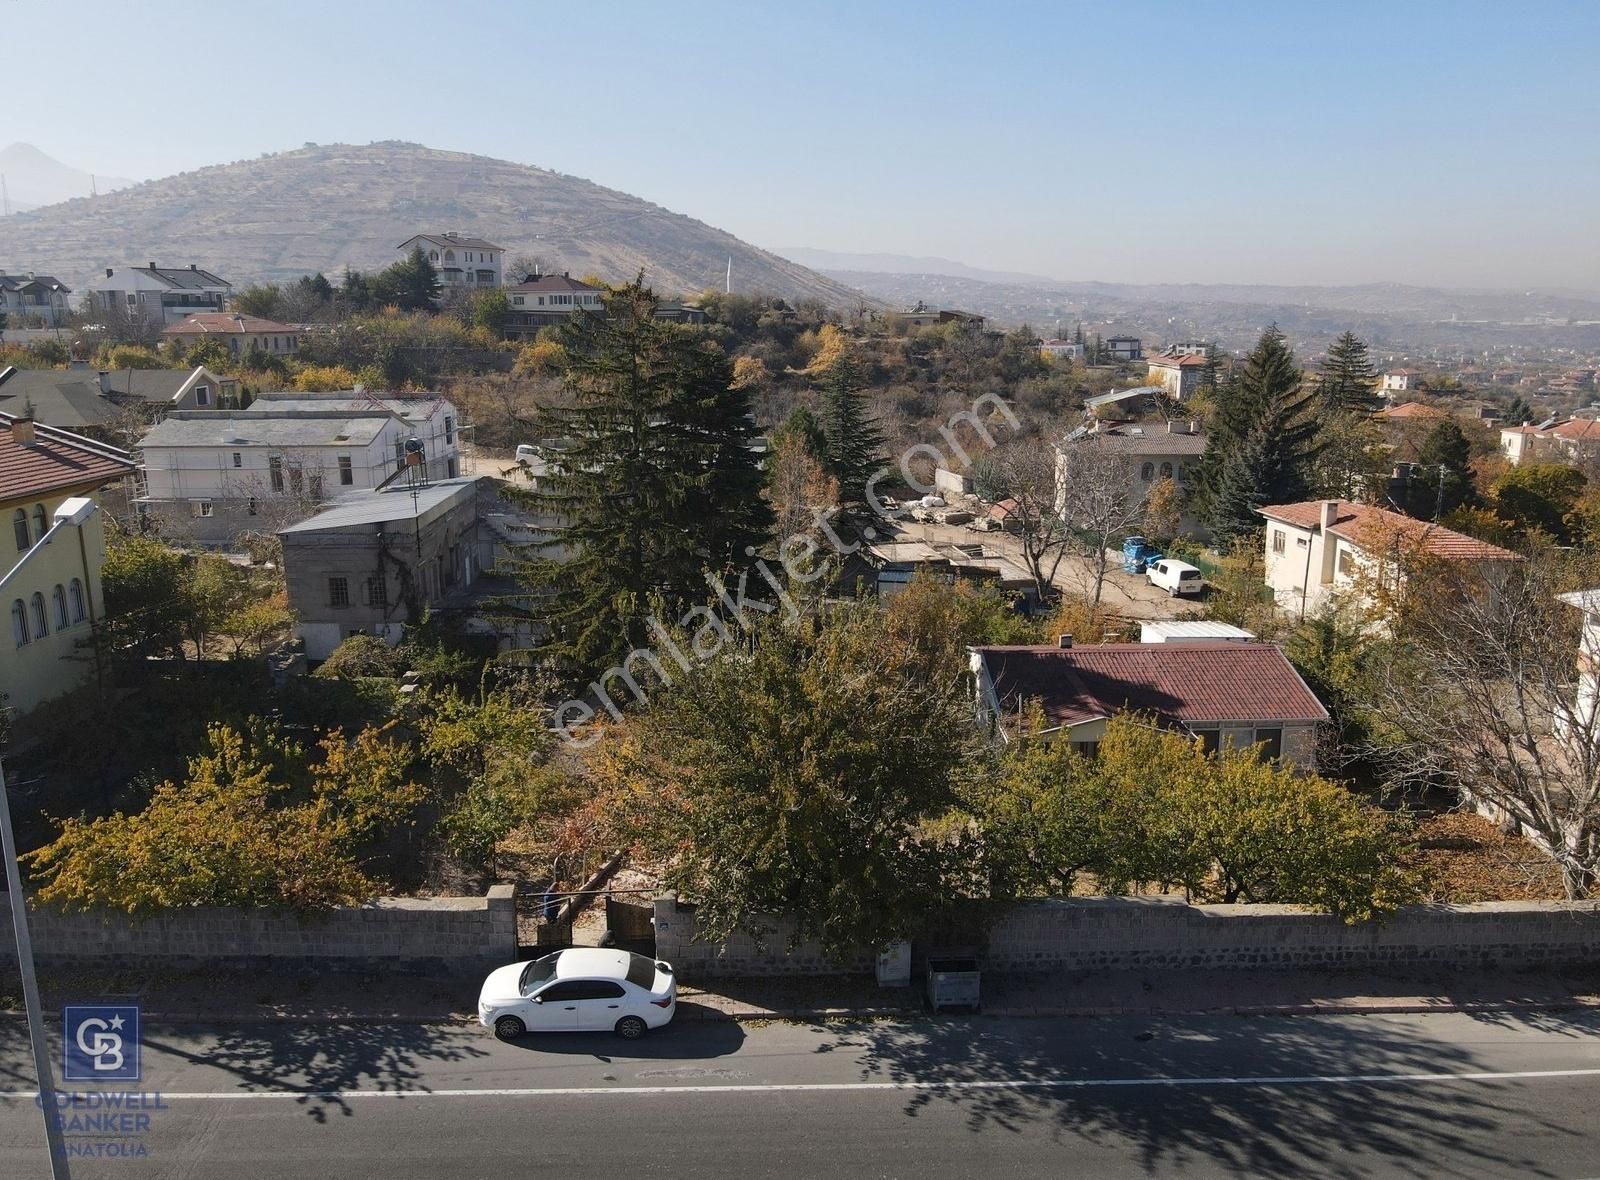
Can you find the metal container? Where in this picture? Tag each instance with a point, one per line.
(953, 982)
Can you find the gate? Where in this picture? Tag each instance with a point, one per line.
(632, 924)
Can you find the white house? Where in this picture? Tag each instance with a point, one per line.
(1226, 692)
(1178, 373)
(1060, 350)
(33, 300)
(1155, 449)
(238, 333)
(159, 294)
(210, 475)
(1575, 440)
(1398, 381)
(431, 419)
(1319, 550)
(461, 261)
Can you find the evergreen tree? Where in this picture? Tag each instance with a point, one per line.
(1263, 442)
(1520, 413)
(1211, 374)
(655, 483)
(412, 284)
(1440, 483)
(1346, 380)
(853, 443)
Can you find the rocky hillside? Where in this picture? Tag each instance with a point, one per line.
(326, 207)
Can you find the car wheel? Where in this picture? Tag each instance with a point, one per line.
(631, 1028)
(509, 1028)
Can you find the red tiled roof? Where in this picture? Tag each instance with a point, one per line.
(1578, 430)
(56, 461)
(1358, 523)
(1413, 410)
(1193, 683)
(207, 322)
(1187, 361)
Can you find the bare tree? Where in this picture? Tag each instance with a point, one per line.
(1026, 469)
(1097, 499)
(1488, 686)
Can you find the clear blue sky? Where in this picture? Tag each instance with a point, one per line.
(1445, 142)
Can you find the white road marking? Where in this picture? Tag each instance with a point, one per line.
(954, 1086)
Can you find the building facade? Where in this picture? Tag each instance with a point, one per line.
(461, 261)
(51, 551)
(33, 300)
(1124, 348)
(1179, 374)
(240, 334)
(158, 294)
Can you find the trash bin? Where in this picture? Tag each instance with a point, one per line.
(953, 982)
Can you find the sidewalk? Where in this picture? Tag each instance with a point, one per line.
(206, 997)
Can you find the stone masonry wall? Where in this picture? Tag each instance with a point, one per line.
(402, 934)
(1081, 934)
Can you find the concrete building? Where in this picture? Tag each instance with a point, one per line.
(1229, 693)
(238, 333)
(1061, 350)
(370, 562)
(157, 294)
(429, 417)
(1321, 551)
(1125, 348)
(51, 552)
(1179, 373)
(541, 300)
(207, 476)
(1398, 381)
(1574, 441)
(1155, 450)
(461, 261)
(32, 301)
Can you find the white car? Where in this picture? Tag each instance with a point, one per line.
(586, 989)
(1175, 577)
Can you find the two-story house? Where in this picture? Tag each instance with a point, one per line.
(113, 406)
(51, 551)
(33, 300)
(541, 300)
(1178, 373)
(1155, 449)
(461, 261)
(1321, 551)
(1576, 440)
(1228, 693)
(158, 294)
(1124, 348)
(1061, 350)
(238, 333)
(431, 419)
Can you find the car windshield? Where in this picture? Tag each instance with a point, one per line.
(537, 972)
(641, 971)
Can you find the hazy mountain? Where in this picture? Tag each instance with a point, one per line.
(904, 264)
(33, 178)
(328, 207)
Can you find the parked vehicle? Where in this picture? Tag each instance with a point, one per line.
(580, 990)
(1175, 577)
(527, 453)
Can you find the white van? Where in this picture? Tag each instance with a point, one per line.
(527, 454)
(1175, 577)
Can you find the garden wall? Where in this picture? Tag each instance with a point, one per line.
(396, 934)
(1083, 934)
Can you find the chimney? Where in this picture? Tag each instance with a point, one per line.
(105, 381)
(192, 266)
(152, 266)
(1178, 427)
(1330, 513)
(1063, 641)
(1194, 426)
(22, 431)
(108, 272)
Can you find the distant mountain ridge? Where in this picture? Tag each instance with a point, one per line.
(905, 264)
(322, 208)
(33, 179)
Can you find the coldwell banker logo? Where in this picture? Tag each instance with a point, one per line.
(100, 1043)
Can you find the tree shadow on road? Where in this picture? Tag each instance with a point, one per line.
(1349, 1129)
(684, 1039)
(322, 1060)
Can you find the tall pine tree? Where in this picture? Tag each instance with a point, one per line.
(652, 483)
(1263, 440)
(1346, 380)
(853, 443)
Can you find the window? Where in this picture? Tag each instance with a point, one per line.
(1166, 471)
(1147, 472)
(338, 591)
(1270, 742)
(202, 397)
(1278, 539)
(449, 429)
(581, 989)
(63, 620)
(203, 508)
(1209, 739)
(399, 452)
(19, 623)
(251, 506)
(297, 478)
(238, 459)
(41, 623)
(316, 485)
(451, 464)
(1086, 749)
(347, 475)
(76, 593)
(375, 592)
(19, 527)
(1347, 563)
(275, 471)
(41, 522)
(516, 300)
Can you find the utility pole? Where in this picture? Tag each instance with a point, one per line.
(30, 990)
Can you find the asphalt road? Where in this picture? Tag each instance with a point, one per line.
(1440, 1095)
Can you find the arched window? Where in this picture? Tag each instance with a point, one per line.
(433, 256)
(19, 623)
(41, 622)
(1166, 471)
(19, 526)
(60, 597)
(41, 521)
(77, 601)
(1147, 472)
(449, 255)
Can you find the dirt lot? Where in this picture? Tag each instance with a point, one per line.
(1468, 859)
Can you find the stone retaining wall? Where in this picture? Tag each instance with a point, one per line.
(397, 934)
(1082, 934)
